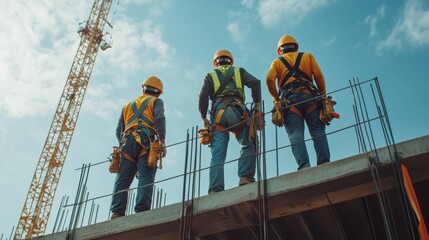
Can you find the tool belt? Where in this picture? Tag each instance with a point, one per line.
(235, 104)
(327, 112)
(114, 160)
(300, 86)
(154, 149)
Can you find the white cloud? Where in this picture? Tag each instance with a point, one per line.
(234, 30)
(247, 3)
(39, 43)
(373, 20)
(140, 46)
(174, 113)
(240, 26)
(411, 29)
(272, 12)
(330, 41)
(36, 53)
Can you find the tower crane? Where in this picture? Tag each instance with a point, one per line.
(37, 206)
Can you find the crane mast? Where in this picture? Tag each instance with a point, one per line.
(37, 206)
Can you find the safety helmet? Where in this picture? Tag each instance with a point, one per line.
(154, 83)
(222, 53)
(286, 39)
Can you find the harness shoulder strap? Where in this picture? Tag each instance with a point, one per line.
(138, 113)
(293, 71)
(224, 80)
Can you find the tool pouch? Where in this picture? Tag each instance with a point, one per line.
(114, 161)
(277, 114)
(155, 152)
(327, 112)
(205, 136)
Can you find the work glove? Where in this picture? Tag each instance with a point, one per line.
(163, 149)
(259, 118)
(206, 123)
(278, 105)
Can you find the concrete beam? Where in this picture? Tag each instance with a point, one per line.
(288, 194)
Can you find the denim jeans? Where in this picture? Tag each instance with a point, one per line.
(294, 125)
(126, 174)
(219, 146)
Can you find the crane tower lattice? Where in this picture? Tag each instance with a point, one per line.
(37, 206)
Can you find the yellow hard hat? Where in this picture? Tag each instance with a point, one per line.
(153, 82)
(222, 53)
(285, 39)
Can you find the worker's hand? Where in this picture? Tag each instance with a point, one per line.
(258, 107)
(206, 123)
(259, 117)
(278, 105)
(163, 149)
(259, 120)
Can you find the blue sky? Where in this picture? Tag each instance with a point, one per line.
(176, 41)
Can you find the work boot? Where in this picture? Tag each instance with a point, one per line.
(304, 167)
(213, 191)
(114, 215)
(245, 180)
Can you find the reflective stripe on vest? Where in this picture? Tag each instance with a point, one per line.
(139, 113)
(236, 80)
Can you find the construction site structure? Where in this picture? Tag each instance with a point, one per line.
(37, 206)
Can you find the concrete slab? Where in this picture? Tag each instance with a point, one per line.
(292, 193)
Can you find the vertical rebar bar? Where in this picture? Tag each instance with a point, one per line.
(11, 232)
(65, 219)
(277, 151)
(91, 213)
(160, 198)
(78, 191)
(82, 195)
(96, 214)
(191, 212)
(153, 197)
(397, 168)
(58, 213)
(84, 209)
(182, 222)
(264, 170)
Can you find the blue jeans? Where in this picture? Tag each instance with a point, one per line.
(219, 146)
(126, 174)
(294, 125)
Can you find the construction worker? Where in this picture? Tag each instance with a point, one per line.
(141, 121)
(295, 74)
(224, 87)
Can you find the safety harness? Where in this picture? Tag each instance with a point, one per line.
(225, 92)
(301, 84)
(145, 125)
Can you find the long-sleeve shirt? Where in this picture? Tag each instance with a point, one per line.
(159, 117)
(207, 90)
(278, 71)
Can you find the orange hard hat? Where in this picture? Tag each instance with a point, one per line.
(286, 39)
(153, 82)
(222, 53)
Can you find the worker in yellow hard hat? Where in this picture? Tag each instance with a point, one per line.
(142, 122)
(297, 96)
(223, 86)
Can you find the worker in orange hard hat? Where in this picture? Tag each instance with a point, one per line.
(297, 98)
(223, 86)
(140, 126)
